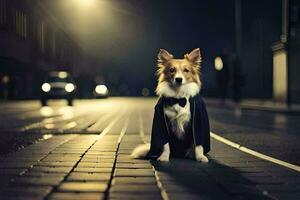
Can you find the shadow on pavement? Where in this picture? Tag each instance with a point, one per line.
(187, 179)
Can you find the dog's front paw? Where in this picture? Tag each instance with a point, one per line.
(199, 154)
(201, 158)
(164, 157)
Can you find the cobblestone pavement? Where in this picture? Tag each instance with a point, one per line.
(92, 162)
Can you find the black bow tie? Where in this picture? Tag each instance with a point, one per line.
(172, 101)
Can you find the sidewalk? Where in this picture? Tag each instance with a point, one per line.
(257, 104)
(99, 167)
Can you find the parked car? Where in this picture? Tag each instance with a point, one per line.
(58, 85)
(101, 91)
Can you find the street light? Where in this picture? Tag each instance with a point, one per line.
(86, 2)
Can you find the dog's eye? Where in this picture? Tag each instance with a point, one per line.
(172, 69)
(186, 70)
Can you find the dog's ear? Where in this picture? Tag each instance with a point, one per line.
(164, 56)
(194, 57)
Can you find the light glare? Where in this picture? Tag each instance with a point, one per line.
(62, 75)
(46, 87)
(101, 89)
(86, 2)
(69, 87)
(280, 77)
(218, 63)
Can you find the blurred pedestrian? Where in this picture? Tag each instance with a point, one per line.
(5, 87)
(222, 73)
(237, 79)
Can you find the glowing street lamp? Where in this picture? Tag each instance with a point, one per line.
(86, 2)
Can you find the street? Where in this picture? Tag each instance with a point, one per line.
(82, 152)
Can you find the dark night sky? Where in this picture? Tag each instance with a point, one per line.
(125, 36)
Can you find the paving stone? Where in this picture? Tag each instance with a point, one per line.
(32, 191)
(176, 187)
(21, 159)
(45, 181)
(134, 173)
(22, 197)
(68, 151)
(13, 171)
(103, 146)
(95, 165)
(132, 196)
(4, 165)
(130, 160)
(98, 160)
(125, 151)
(134, 166)
(265, 180)
(279, 188)
(134, 180)
(93, 170)
(87, 177)
(241, 189)
(256, 174)
(135, 188)
(44, 174)
(35, 153)
(76, 196)
(61, 159)
(189, 196)
(82, 187)
(56, 164)
(99, 157)
(52, 169)
(108, 153)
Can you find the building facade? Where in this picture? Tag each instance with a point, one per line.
(294, 52)
(32, 42)
(270, 49)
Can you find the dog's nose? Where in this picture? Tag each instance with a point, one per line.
(178, 80)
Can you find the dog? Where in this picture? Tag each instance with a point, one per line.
(180, 125)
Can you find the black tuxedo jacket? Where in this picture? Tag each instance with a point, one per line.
(197, 133)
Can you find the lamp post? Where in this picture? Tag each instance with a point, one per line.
(281, 86)
(238, 27)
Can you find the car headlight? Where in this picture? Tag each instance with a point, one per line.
(46, 87)
(101, 89)
(70, 87)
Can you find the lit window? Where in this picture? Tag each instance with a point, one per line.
(21, 24)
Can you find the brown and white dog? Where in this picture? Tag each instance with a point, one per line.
(178, 78)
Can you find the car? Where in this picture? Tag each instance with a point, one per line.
(58, 85)
(101, 91)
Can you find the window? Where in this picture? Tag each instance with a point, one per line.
(53, 44)
(41, 36)
(3, 12)
(21, 24)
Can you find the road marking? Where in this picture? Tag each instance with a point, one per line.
(123, 131)
(254, 153)
(142, 134)
(100, 121)
(110, 125)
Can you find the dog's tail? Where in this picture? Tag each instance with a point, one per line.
(141, 151)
